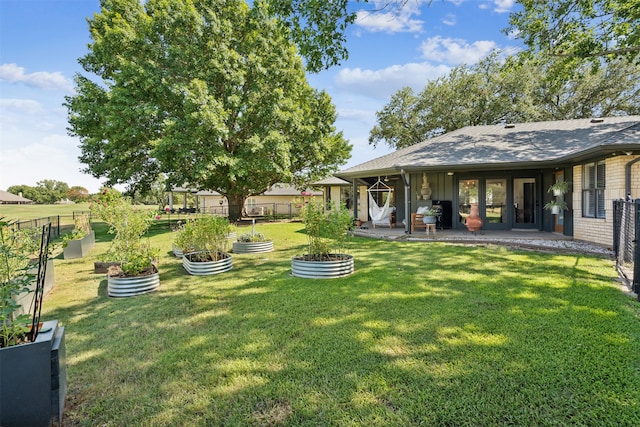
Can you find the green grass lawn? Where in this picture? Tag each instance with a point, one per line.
(24, 212)
(421, 334)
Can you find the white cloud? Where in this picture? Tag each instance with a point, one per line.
(449, 19)
(381, 84)
(388, 22)
(27, 106)
(52, 157)
(11, 73)
(391, 17)
(455, 51)
(503, 6)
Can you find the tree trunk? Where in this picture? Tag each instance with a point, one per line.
(236, 205)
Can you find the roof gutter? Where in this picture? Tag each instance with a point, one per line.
(627, 176)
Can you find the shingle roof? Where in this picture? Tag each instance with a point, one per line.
(510, 146)
(331, 180)
(7, 197)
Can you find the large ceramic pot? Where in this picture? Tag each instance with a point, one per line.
(252, 247)
(474, 222)
(339, 266)
(429, 219)
(205, 268)
(134, 285)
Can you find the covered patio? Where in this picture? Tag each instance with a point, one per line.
(525, 238)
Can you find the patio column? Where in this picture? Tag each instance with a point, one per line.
(407, 201)
(356, 199)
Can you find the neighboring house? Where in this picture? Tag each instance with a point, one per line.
(7, 198)
(280, 199)
(507, 169)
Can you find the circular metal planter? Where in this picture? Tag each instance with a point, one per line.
(252, 247)
(204, 268)
(177, 251)
(322, 269)
(132, 286)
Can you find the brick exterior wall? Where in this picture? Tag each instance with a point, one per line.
(600, 230)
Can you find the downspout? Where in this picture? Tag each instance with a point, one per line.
(627, 177)
(407, 201)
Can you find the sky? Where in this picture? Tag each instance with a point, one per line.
(42, 40)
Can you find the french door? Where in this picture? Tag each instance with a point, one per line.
(503, 203)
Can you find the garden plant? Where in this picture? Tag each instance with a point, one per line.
(423, 333)
(129, 249)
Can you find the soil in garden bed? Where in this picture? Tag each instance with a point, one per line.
(206, 256)
(324, 257)
(116, 271)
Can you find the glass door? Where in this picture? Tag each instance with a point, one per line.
(524, 203)
(495, 207)
(558, 220)
(467, 196)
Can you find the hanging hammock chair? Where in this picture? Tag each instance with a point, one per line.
(380, 215)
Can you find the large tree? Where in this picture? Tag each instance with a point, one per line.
(494, 92)
(209, 92)
(579, 29)
(467, 96)
(317, 27)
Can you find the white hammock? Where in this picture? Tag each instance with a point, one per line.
(379, 215)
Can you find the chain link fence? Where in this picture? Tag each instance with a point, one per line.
(626, 236)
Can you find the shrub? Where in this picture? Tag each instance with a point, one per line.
(15, 263)
(134, 255)
(326, 233)
(204, 238)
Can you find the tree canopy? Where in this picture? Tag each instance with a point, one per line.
(494, 92)
(317, 28)
(579, 29)
(49, 191)
(212, 93)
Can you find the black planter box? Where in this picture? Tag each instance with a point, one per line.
(33, 380)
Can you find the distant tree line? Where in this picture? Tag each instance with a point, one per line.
(514, 90)
(50, 191)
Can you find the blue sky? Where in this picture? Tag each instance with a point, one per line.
(41, 41)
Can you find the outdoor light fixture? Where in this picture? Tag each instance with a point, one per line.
(450, 173)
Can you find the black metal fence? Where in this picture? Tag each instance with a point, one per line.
(626, 239)
(58, 222)
(265, 211)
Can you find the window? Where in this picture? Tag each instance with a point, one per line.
(345, 196)
(593, 183)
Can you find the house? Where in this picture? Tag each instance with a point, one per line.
(7, 198)
(505, 171)
(280, 199)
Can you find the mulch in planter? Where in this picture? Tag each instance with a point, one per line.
(116, 271)
(323, 257)
(205, 256)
